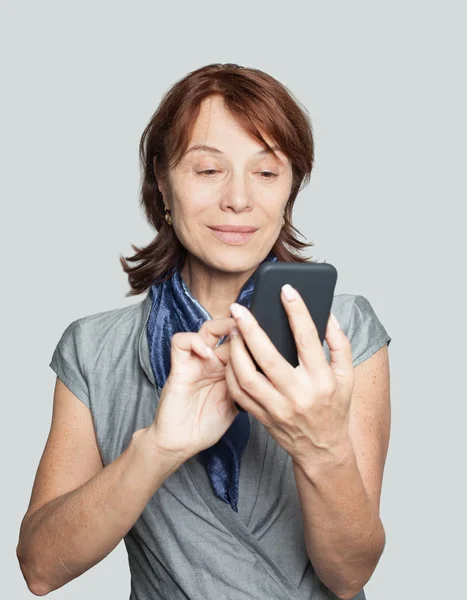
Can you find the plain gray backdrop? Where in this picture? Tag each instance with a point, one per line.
(384, 84)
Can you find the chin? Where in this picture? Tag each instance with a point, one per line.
(234, 260)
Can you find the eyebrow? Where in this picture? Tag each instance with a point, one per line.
(217, 151)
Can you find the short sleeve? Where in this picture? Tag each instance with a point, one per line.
(67, 362)
(366, 332)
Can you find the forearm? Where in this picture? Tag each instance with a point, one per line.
(344, 535)
(75, 531)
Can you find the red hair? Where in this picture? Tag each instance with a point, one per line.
(259, 103)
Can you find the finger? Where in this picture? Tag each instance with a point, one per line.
(256, 385)
(236, 394)
(310, 351)
(340, 352)
(274, 366)
(184, 343)
(223, 351)
(212, 329)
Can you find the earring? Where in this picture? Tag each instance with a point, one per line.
(167, 215)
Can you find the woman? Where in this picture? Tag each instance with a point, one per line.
(146, 440)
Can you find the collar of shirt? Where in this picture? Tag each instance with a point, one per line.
(143, 349)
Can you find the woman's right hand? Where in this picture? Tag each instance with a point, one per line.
(194, 410)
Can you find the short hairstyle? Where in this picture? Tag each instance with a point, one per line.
(259, 103)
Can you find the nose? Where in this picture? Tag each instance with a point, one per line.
(236, 195)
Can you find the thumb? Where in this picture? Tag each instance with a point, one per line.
(340, 351)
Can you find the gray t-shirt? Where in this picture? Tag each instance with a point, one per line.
(187, 543)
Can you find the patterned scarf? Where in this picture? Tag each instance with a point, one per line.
(173, 310)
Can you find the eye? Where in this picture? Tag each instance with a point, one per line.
(208, 172)
(268, 174)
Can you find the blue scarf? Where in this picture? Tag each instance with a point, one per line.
(173, 310)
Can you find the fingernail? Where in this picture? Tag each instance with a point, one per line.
(335, 321)
(233, 332)
(289, 292)
(236, 310)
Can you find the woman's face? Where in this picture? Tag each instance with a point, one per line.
(226, 179)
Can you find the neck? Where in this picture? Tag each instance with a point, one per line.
(214, 289)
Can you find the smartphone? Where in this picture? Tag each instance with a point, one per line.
(315, 282)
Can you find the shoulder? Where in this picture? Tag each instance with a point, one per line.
(361, 325)
(94, 346)
(111, 324)
(103, 335)
(344, 306)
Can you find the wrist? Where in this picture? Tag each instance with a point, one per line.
(326, 459)
(150, 443)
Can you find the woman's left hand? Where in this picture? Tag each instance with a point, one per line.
(304, 408)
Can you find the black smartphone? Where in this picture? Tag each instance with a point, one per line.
(315, 282)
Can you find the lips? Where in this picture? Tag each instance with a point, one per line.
(234, 228)
(234, 235)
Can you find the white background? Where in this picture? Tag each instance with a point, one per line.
(384, 84)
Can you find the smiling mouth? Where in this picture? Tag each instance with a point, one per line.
(234, 236)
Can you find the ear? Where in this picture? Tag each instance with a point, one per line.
(159, 179)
